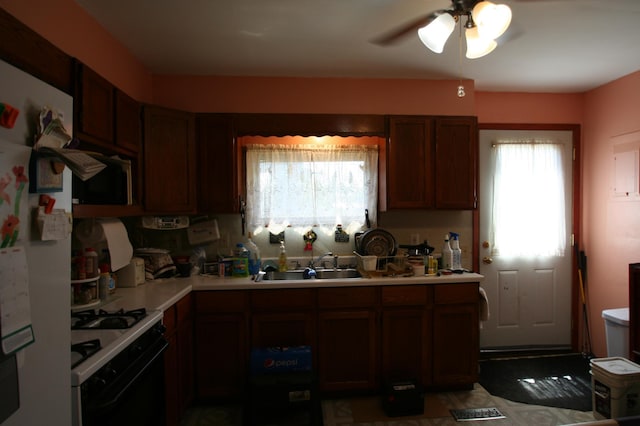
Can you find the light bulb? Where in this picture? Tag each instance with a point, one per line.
(461, 92)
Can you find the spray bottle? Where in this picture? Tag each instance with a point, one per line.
(447, 254)
(456, 261)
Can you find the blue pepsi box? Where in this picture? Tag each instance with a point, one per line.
(279, 359)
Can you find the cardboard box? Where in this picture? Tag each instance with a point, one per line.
(281, 359)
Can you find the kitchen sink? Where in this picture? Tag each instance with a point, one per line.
(286, 275)
(321, 274)
(337, 273)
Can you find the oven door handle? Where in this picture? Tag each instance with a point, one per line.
(156, 350)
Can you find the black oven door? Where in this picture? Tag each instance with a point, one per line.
(135, 398)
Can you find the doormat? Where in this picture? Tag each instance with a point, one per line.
(470, 414)
(561, 381)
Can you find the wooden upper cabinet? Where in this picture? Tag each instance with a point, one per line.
(410, 174)
(432, 162)
(218, 185)
(94, 107)
(169, 161)
(456, 144)
(106, 119)
(128, 122)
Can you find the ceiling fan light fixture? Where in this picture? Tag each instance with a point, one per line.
(478, 46)
(491, 19)
(436, 34)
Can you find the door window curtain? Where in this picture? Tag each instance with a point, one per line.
(528, 215)
(310, 185)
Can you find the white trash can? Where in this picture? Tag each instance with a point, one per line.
(615, 386)
(616, 328)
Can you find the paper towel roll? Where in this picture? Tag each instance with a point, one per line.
(111, 230)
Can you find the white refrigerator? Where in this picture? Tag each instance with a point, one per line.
(43, 367)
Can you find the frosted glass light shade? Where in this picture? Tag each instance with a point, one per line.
(435, 35)
(478, 46)
(491, 19)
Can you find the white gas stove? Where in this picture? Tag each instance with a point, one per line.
(116, 364)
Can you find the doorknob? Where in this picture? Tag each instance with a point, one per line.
(487, 260)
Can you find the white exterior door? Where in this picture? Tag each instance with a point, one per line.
(529, 296)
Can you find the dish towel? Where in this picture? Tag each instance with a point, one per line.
(484, 305)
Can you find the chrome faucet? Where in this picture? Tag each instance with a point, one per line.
(312, 263)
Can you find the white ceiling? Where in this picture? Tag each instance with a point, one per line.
(551, 45)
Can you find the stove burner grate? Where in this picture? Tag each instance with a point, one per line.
(83, 350)
(90, 319)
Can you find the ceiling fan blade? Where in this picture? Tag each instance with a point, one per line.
(411, 27)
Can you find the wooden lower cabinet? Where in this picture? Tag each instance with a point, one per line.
(282, 317)
(178, 359)
(456, 335)
(361, 337)
(347, 350)
(348, 355)
(221, 343)
(406, 345)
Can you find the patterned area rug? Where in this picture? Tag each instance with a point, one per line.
(561, 381)
(338, 412)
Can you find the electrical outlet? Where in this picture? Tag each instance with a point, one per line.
(224, 239)
(415, 239)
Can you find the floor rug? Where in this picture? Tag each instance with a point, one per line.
(369, 410)
(561, 381)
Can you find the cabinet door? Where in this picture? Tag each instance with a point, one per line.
(456, 335)
(221, 355)
(282, 329)
(347, 350)
(456, 163)
(184, 343)
(410, 174)
(218, 186)
(94, 105)
(128, 122)
(634, 312)
(171, 368)
(169, 161)
(406, 348)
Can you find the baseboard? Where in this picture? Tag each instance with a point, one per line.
(524, 351)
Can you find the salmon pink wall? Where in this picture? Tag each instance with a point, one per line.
(556, 108)
(611, 228)
(70, 28)
(313, 95)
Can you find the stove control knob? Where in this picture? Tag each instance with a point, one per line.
(108, 373)
(97, 383)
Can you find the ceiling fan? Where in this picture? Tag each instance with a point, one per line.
(484, 22)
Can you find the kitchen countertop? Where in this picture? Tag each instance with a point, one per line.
(162, 293)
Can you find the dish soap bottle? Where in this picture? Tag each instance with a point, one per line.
(447, 254)
(456, 258)
(282, 259)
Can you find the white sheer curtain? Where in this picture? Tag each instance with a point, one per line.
(310, 185)
(529, 200)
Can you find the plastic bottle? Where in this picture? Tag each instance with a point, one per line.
(103, 282)
(282, 258)
(447, 254)
(254, 256)
(240, 266)
(456, 261)
(91, 262)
